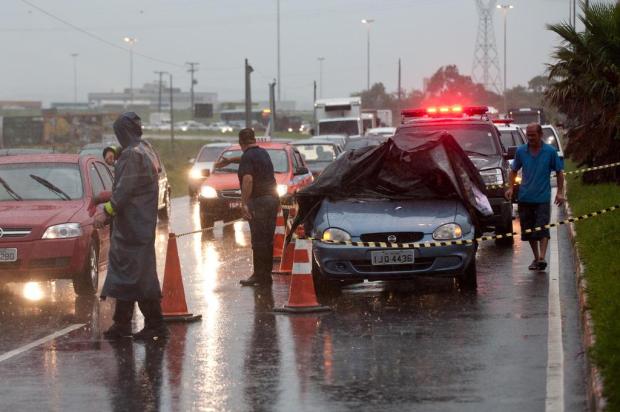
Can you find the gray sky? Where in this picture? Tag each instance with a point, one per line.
(426, 34)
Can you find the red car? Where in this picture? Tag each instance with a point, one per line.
(46, 231)
(220, 194)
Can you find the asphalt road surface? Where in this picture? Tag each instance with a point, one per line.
(421, 345)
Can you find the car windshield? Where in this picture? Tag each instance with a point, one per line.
(348, 127)
(473, 138)
(315, 153)
(359, 143)
(209, 154)
(278, 158)
(510, 138)
(549, 137)
(29, 181)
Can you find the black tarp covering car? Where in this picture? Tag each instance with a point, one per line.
(419, 165)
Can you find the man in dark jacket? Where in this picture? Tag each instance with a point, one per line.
(132, 270)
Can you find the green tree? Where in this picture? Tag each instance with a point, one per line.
(585, 85)
(448, 86)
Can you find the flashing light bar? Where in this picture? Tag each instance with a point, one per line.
(503, 121)
(445, 110)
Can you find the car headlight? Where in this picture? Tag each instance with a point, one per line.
(63, 231)
(518, 179)
(448, 231)
(492, 176)
(337, 235)
(195, 174)
(282, 190)
(208, 192)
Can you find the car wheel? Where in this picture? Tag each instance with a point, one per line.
(506, 227)
(324, 288)
(87, 282)
(469, 279)
(165, 212)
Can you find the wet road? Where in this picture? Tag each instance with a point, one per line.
(420, 345)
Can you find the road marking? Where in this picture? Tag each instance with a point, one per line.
(555, 347)
(15, 352)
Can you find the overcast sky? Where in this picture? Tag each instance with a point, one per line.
(425, 34)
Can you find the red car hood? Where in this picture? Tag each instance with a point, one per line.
(230, 181)
(35, 214)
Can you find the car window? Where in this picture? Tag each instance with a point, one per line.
(209, 154)
(299, 160)
(296, 162)
(549, 137)
(317, 152)
(510, 138)
(95, 180)
(278, 157)
(33, 181)
(471, 137)
(348, 127)
(106, 175)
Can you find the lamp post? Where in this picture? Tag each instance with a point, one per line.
(504, 9)
(74, 55)
(368, 22)
(130, 41)
(321, 60)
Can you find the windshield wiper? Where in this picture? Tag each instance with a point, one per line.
(9, 190)
(476, 153)
(51, 187)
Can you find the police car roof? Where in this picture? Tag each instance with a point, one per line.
(41, 158)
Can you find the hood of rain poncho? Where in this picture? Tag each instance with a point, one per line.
(410, 166)
(128, 129)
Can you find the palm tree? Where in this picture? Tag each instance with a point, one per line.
(585, 85)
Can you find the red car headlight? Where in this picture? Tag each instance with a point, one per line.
(63, 231)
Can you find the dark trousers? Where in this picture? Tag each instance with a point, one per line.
(264, 211)
(151, 309)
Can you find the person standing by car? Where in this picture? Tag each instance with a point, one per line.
(538, 160)
(110, 156)
(260, 203)
(132, 271)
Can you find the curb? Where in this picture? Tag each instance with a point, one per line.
(594, 380)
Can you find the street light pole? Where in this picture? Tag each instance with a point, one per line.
(368, 22)
(131, 41)
(74, 55)
(279, 82)
(160, 87)
(504, 8)
(321, 60)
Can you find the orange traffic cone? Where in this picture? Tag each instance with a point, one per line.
(173, 304)
(302, 295)
(286, 264)
(279, 236)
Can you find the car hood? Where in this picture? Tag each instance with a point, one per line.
(230, 181)
(486, 162)
(376, 216)
(37, 214)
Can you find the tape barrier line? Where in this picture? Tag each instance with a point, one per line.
(422, 245)
(572, 172)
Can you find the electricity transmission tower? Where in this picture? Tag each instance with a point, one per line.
(486, 69)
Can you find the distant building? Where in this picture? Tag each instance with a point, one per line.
(148, 97)
(20, 105)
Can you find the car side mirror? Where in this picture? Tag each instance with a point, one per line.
(511, 153)
(206, 173)
(301, 171)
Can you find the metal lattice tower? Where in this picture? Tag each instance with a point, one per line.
(486, 69)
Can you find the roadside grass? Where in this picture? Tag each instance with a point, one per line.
(598, 243)
(176, 161)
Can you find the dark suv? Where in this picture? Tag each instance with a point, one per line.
(480, 139)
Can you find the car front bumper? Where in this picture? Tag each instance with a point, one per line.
(352, 262)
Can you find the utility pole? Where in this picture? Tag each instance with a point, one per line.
(321, 60)
(504, 9)
(399, 88)
(278, 46)
(131, 41)
(368, 22)
(248, 95)
(160, 87)
(272, 105)
(74, 55)
(192, 69)
(171, 113)
(314, 106)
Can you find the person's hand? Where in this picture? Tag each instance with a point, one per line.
(247, 215)
(101, 220)
(559, 199)
(508, 194)
(221, 163)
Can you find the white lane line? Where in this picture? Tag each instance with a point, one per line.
(555, 350)
(15, 352)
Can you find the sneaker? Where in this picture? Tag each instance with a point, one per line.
(117, 331)
(533, 265)
(152, 333)
(542, 264)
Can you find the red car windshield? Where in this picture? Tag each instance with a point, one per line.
(40, 181)
(210, 154)
(278, 158)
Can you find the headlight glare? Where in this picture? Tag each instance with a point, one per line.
(208, 192)
(195, 174)
(282, 190)
(335, 234)
(63, 231)
(448, 231)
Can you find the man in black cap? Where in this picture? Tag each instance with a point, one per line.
(260, 203)
(132, 271)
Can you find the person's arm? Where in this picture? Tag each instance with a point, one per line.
(225, 161)
(128, 172)
(512, 176)
(246, 194)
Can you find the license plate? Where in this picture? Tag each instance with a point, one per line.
(8, 255)
(235, 205)
(392, 257)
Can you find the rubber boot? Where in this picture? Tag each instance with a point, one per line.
(154, 327)
(123, 313)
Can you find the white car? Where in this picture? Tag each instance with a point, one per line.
(552, 137)
(190, 125)
(382, 131)
(336, 138)
(202, 165)
(220, 127)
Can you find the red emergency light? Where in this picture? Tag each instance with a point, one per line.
(444, 111)
(503, 121)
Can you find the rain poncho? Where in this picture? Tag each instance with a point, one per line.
(132, 270)
(411, 165)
